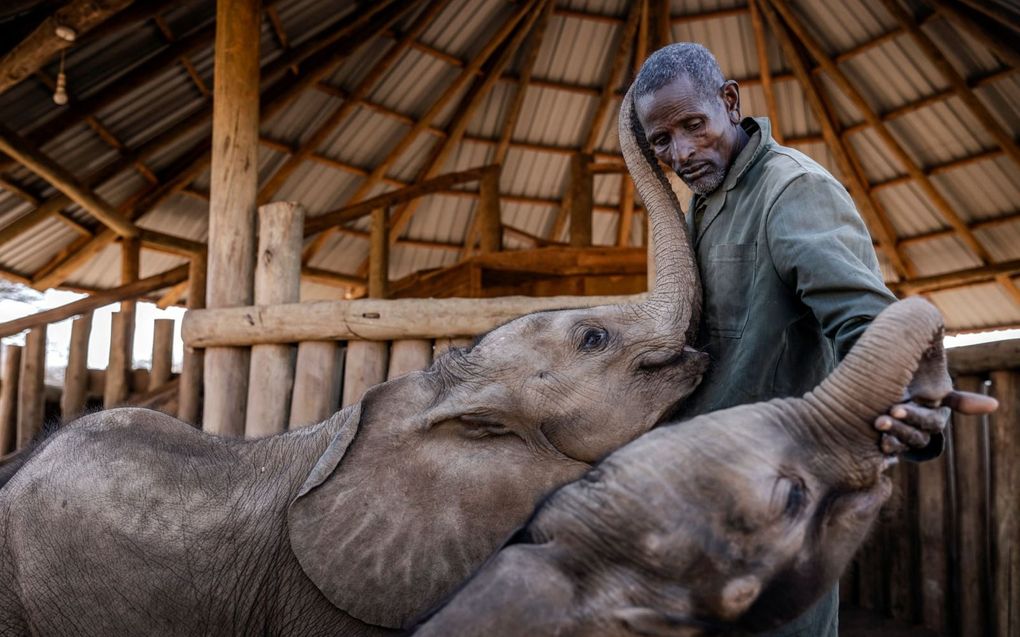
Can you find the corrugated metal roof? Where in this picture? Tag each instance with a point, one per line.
(576, 52)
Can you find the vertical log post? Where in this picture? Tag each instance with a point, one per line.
(189, 395)
(580, 198)
(970, 532)
(9, 398)
(490, 223)
(379, 255)
(409, 356)
(1005, 445)
(115, 386)
(31, 389)
(316, 382)
(72, 401)
(162, 353)
(130, 269)
(277, 280)
(232, 199)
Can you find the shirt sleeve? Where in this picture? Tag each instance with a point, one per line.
(823, 252)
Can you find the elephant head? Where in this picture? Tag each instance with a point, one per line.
(447, 462)
(735, 520)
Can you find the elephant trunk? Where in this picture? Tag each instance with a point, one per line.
(675, 297)
(877, 372)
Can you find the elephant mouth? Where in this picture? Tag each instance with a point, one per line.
(695, 361)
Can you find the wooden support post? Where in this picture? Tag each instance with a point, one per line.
(76, 380)
(31, 387)
(1005, 532)
(608, 94)
(130, 266)
(935, 536)
(626, 221)
(968, 433)
(232, 203)
(579, 200)
(189, 397)
(116, 387)
(763, 68)
(409, 355)
(277, 280)
(490, 222)
(9, 398)
(379, 255)
(316, 382)
(162, 353)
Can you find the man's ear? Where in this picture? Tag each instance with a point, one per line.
(730, 92)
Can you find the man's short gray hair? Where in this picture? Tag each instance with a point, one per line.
(680, 59)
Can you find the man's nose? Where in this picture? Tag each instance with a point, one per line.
(681, 153)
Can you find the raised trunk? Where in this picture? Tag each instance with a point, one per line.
(675, 298)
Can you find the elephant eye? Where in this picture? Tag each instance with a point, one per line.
(593, 338)
(796, 498)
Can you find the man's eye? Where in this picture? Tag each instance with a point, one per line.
(660, 141)
(694, 125)
(594, 338)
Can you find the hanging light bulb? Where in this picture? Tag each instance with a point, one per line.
(60, 94)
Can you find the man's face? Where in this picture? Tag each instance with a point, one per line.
(694, 134)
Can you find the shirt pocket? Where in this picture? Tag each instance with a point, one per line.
(728, 281)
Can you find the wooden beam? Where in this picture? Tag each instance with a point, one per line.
(984, 224)
(9, 382)
(31, 386)
(996, 13)
(970, 276)
(11, 185)
(859, 189)
(379, 255)
(55, 34)
(490, 223)
(984, 357)
(578, 201)
(985, 118)
(118, 367)
(97, 300)
(983, 32)
(162, 353)
(764, 71)
(189, 389)
(621, 52)
(61, 179)
(328, 277)
(369, 319)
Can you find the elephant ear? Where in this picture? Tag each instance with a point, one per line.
(389, 523)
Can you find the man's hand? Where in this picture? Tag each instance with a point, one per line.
(910, 425)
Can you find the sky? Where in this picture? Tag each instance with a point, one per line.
(58, 337)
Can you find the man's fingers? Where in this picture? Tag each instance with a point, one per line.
(924, 418)
(909, 435)
(969, 403)
(890, 445)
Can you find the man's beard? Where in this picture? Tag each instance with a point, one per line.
(706, 184)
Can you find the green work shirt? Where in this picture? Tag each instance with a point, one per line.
(789, 274)
(790, 282)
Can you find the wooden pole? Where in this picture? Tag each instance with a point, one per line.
(763, 67)
(317, 377)
(9, 398)
(72, 401)
(608, 95)
(31, 387)
(489, 217)
(162, 353)
(1005, 532)
(189, 397)
(277, 280)
(232, 203)
(130, 266)
(379, 255)
(409, 355)
(579, 200)
(971, 530)
(116, 383)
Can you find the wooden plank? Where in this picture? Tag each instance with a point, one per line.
(621, 52)
(72, 401)
(408, 355)
(31, 387)
(232, 196)
(76, 18)
(316, 382)
(761, 48)
(354, 211)
(935, 537)
(116, 389)
(189, 397)
(369, 319)
(490, 224)
(971, 550)
(985, 357)
(130, 266)
(579, 200)
(162, 353)
(97, 300)
(9, 383)
(1005, 531)
(379, 255)
(277, 280)
(60, 178)
(980, 274)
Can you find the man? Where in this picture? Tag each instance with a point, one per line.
(790, 276)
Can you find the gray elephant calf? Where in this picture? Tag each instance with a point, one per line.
(734, 521)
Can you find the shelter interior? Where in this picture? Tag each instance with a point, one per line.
(468, 148)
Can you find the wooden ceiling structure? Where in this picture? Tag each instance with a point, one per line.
(912, 104)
